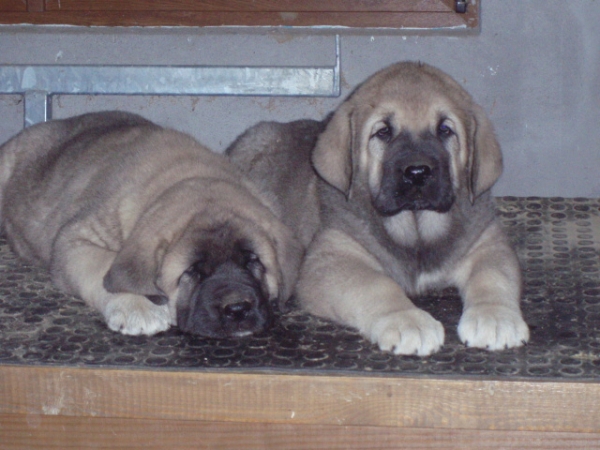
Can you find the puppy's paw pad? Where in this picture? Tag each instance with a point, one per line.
(408, 332)
(135, 315)
(493, 327)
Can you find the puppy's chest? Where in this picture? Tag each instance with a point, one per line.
(422, 246)
(418, 228)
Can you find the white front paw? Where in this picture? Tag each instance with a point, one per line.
(135, 315)
(408, 332)
(494, 327)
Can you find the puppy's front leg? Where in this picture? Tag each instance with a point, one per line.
(340, 280)
(489, 280)
(78, 267)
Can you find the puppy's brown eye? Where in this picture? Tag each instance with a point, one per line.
(384, 134)
(444, 130)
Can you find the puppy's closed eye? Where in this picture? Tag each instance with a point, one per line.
(158, 299)
(197, 271)
(252, 263)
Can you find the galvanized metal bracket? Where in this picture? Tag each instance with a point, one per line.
(38, 83)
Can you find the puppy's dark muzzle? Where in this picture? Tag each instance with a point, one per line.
(230, 303)
(239, 306)
(417, 175)
(237, 312)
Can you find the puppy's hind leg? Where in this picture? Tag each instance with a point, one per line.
(78, 267)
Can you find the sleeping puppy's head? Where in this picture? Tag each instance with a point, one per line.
(223, 292)
(222, 271)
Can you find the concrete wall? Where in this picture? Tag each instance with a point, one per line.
(535, 67)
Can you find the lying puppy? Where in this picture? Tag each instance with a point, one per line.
(145, 225)
(398, 203)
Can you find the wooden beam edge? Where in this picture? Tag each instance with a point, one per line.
(60, 432)
(301, 399)
(359, 20)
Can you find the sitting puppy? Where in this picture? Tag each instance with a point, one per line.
(398, 203)
(145, 225)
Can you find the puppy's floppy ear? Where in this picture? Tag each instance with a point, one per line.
(289, 253)
(136, 267)
(485, 157)
(332, 156)
(280, 254)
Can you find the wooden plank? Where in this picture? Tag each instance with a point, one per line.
(58, 432)
(253, 5)
(35, 5)
(298, 19)
(302, 399)
(13, 5)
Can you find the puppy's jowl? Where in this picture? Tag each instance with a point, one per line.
(145, 225)
(398, 203)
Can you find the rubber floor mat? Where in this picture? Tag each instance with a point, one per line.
(558, 242)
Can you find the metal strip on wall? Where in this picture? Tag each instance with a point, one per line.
(38, 83)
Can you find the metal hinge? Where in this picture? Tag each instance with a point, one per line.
(461, 6)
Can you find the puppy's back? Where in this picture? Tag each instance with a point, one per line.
(276, 157)
(40, 141)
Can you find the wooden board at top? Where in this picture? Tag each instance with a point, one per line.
(394, 14)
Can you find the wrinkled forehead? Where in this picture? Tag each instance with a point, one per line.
(236, 236)
(412, 104)
(414, 115)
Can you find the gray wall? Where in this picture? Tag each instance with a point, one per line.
(535, 67)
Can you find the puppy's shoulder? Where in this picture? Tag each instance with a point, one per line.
(256, 139)
(276, 137)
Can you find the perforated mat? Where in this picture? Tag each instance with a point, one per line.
(558, 242)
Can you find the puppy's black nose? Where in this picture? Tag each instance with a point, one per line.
(237, 311)
(417, 175)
